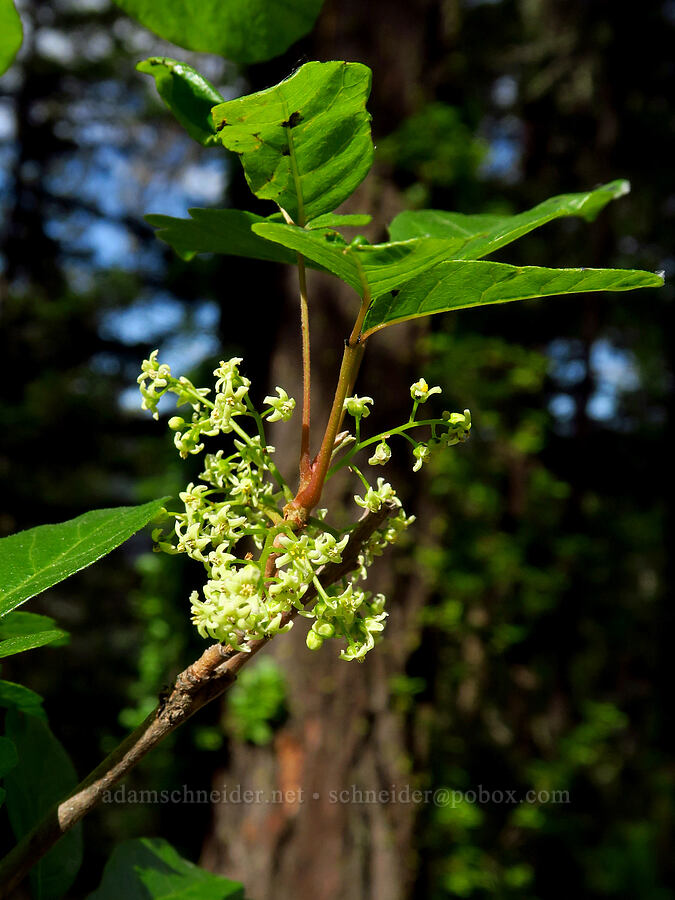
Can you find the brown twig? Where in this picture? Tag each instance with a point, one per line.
(207, 678)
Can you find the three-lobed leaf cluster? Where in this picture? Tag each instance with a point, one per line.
(306, 145)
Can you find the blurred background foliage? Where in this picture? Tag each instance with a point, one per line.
(545, 651)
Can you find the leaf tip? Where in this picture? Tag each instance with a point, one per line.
(622, 188)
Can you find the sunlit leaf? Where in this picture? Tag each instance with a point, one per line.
(33, 560)
(244, 31)
(458, 284)
(336, 220)
(11, 34)
(150, 869)
(305, 143)
(480, 235)
(188, 95)
(225, 231)
(373, 268)
(42, 777)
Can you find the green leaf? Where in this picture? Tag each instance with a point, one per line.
(244, 31)
(11, 34)
(225, 231)
(188, 95)
(372, 268)
(150, 869)
(21, 631)
(305, 143)
(43, 776)
(34, 560)
(335, 220)
(458, 284)
(16, 624)
(8, 760)
(480, 235)
(8, 756)
(29, 642)
(22, 698)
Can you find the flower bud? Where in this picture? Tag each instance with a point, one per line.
(358, 406)
(314, 640)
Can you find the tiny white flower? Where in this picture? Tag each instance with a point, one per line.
(282, 406)
(421, 391)
(296, 554)
(422, 454)
(375, 497)
(382, 454)
(327, 549)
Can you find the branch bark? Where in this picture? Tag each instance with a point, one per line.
(203, 681)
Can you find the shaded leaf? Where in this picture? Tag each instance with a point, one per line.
(225, 231)
(11, 34)
(150, 869)
(33, 560)
(22, 698)
(8, 759)
(29, 642)
(187, 94)
(480, 235)
(18, 623)
(44, 775)
(460, 284)
(244, 31)
(305, 143)
(8, 756)
(377, 268)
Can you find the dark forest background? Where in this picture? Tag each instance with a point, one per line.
(531, 627)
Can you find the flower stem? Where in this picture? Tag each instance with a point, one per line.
(309, 494)
(400, 430)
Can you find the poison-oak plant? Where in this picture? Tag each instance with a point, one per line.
(269, 553)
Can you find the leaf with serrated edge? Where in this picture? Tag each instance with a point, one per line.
(372, 269)
(458, 284)
(188, 95)
(34, 560)
(305, 143)
(483, 234)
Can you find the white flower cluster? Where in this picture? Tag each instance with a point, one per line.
(236, 499)
(458, 428)
(454, 428)
(353, 613)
